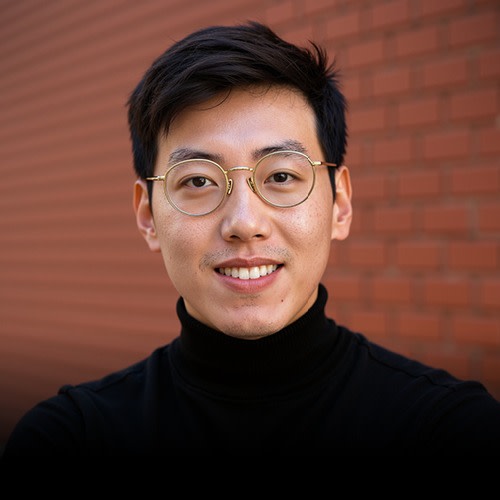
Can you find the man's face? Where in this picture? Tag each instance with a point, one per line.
(245, 232)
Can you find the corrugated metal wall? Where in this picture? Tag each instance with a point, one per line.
(80, 293)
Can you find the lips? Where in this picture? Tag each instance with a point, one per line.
(245, 273)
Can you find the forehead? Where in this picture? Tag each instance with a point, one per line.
(242, 121)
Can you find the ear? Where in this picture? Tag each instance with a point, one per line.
(144, 215)
(342, 207)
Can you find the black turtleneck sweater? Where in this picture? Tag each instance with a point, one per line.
(314, 387)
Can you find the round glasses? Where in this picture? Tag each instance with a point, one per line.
(198, 186)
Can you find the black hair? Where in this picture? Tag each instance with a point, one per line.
(214, 60)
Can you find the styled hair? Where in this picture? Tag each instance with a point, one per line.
(215, 60)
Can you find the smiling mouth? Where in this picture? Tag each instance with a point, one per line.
(248, 273)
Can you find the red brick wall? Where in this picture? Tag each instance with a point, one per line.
(80, 294)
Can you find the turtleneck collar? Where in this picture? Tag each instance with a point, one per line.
(289, 358)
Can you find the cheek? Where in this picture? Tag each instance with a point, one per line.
(310, 229)
(316, 220)
(175, 233)
(178, 246)
(313, 231)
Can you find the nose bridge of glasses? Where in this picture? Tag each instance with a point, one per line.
(239, 167)
(249, 179)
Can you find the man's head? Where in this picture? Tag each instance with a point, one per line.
(244, 225)
(215, 60)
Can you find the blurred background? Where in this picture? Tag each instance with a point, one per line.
(81, 294)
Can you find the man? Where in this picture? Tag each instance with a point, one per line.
(238, 143)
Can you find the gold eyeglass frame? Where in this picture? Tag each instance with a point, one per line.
(250, 180)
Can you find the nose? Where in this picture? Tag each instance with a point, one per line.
(244, 215)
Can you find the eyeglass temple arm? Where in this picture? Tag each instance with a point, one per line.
(318, 163)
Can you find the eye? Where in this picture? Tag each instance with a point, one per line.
(280, 177)
(197, 182)
(194, 176)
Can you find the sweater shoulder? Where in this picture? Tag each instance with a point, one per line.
(410, 377)
(72, 420)
(138, 374)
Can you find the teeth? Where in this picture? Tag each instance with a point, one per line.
(245, 273)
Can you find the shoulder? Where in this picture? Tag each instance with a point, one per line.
(77, 414)
(122, 385)
(452, 413)
(400, 369)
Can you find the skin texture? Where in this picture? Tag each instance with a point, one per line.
(245, 231)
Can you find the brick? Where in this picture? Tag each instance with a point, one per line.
(416, 42)
(489, 293)
(420, 111)
(351, 86)
(345, 25)
(489, 63)
(365, 53)
(393, 220)
(475, 179)
(418, 255)
(489, 217)
(433, 8)
(444, 72)
(446, 219)
(419, 184)
(372, 322)
(367, 254)
(320, 5)
(368, 187)
(478, 330)
(392, 151)
(392, 82)
(358, 221)
(446, 145)
(280, 12)
(391, 290)
(299, 34)
(346, 287)
(354, 154)
(395, 12)
(446, 292)
(474, 256)
(473, 28)
(368, 119)
(419, 325)
(474, 104)
(489, 140)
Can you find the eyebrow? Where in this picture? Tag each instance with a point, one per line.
(182, 154)
(290, 144)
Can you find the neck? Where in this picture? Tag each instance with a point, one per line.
(283, 358)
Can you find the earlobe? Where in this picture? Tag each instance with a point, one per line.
(144, 215)
(342, 207)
